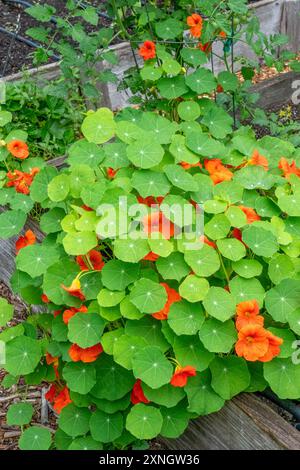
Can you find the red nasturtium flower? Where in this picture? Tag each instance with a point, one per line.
(137, 394)
(195, 23)
(205, 47)
(157, 222)
(90, 354)
(219, 89)
(70, 312)
(45, 299)
(250, 213)
(258, 159)
(288, 168)
(181, 374)
(222, 34)
(257, 344)
(28, 238)
(86, 208)
(151, 256)
(173, 297)
(217, 171)
(150, 200)
(74, 289)
(95, 260)
(18, 149)
(147, 50)
(111, 173)
(20, 180)
(208, 242)
(58, 397)
(187, 166)
(248, 313)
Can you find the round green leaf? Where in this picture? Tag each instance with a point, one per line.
(217, 227)
(167, 395)
(262, 242)
(230, 376)
(85, 152)
(188, 110)
(106, 427)
(151, 366)
(175, 421)
(36, 259)
(85, 329)
(35, 438)
(117, 275)
(204, 262)
(22, 355)
(19, 414)
(125, 347)
(113, 381)
(172, 267)
(6, 311)
(150, 183)
(99, 127)
(79, 243)
(145, 153)
(246, 289)
(201, 81)
(172, 88)
(11, 223)
(219, 304)
(131, 251)
(80, 377)
(193, 288)
(280, 267)
(218, 337)
(148, 296)
(283, 376)
(184, 318)
(180, 178)
(247, 268)
(144, 422)
(189, 351)
(231, 248)
(202, 398)
(283, 299)
(74, 421)
(58, 188)
(85, 443)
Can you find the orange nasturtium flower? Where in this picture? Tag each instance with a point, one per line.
(205, 47)
(250, 213)
(258, 159)
(151, 256)
(21, 180)
(217, 171)
(150, 200)
(173, 297)
(58, 397)
(187, 166)
(70, 312)
(90, 354)
(195, 23)
(208, 242)
(147, 50)
(95, 259)
(157, 222)
(111, 173)
(219, 89)
(288, 168)
(257, 344)
(74, 289)
(248, 313)
(222, 34)
(45, 299)
(18, 149)
(28, 238)
(137, 394)
(181, 374)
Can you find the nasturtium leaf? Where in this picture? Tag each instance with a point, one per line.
(204, 262)
(59, 329)
(106, 427)
(19, 414)
(193, 56)
(229, 191)
(246, 289)
(172, 88)
(180, 151)
(283, 376)
(219, 303)
(293, 319)
(188, 110)
(175, 421)
(231, 248)
(108, 298)
(60, 273)
(11, 223)
(111, 407)
(252, 177)
(125, 347)
(149, 72)
(80, 243)
(85, 329)
(219, 122)
(265, 207)
(230, 376)
(51, 221)
(283, 299)
(35, 438)
(85, 152)
(189, 351)
(215, 207)
(201, 81)
(171, 67)
(85, 443)
(205, 187)
(74, 421)
(287, 348)
(21, 202)
(80, 377)
(160, 246)
(128, 310)
(113, 381)
(115, 156)
(236, 217)
(150, 183)
(38, 188)
(6, 311)
(167, 395)
(36, 259)
(131, 251)
(262, 242)
(247, 268)
(152, 367)
(217, 336)
(258, 382)
(178, 210)
(22, 355)
(158, 128)
(202, 144)
(59, 187)
(99, 127)
(145, 153)
(290, 204)
(184, 318)
(117, 275)
(92, 194)
(109, 340)
(217, 227)
(149, 329)
(148, 296)
(80, 176)
(228, 81)
(144, 421)
(173, 267)
(202, 398)
(180, 178)
(280, 267)
(193, 288)
(11, 332)
(169, 28)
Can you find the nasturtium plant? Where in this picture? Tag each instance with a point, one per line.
(168, 277)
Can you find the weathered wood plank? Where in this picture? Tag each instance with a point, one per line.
(277, 90)
(245, 423)
(290, 24)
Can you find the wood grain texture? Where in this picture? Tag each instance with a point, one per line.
(277, 90)
(290, 24)
(245, 423)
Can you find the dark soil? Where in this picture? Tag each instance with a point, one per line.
(15, 55)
